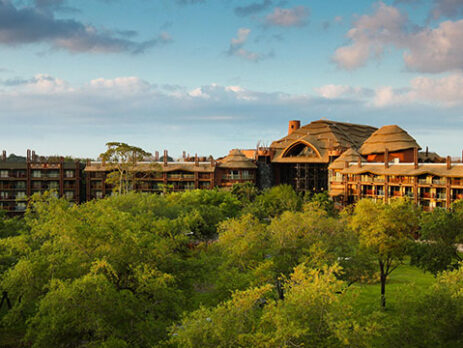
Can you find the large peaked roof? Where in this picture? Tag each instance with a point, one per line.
(390, 137)
(236, 159)
(324, 135)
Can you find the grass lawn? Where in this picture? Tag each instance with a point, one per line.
(405, 279)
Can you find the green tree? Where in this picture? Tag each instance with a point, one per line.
(440, 233)
(310, 315)
(122, 159)
(245, 192)
(431, 318)
(101, 251)
(385, 231)
(274, 201)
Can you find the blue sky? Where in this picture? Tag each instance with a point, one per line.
(207, 76)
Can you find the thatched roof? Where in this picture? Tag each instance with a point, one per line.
(236, 159)
(350, 155)
(430, 157)
(390, 137)
(324, 136)
(402, 169)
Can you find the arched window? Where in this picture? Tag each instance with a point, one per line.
(301, 150)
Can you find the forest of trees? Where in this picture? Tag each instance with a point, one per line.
(239, 268)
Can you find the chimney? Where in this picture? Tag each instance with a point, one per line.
(184, 154)
(196, 160)
(386, 158)
(449, 162)
(346, 164)
(212, 160)
(166, 156)
(427, 151)
(359, 162)
(415, 157)
(156, 156)
(293, 125)
(33, 156)
(28, 155)
(4, 155)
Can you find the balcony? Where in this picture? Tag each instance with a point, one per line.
(441, 182)
(441, 195)
(45, 175)
(13, 197)
(424, 182)
(401, 180)
(13, 187)
(231, 177)
(17, 175)
(457, 182)
(181, 176)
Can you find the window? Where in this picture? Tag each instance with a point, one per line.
(69, 174)
(69, 194)
(232, 175)
(98, 194)
(4, 173)
(21, 195)
(246, 175)
(21, 185)
(300, 150)
(21, 206)
(36, 173)
(53, 185)
(205, 185)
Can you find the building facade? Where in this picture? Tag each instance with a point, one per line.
(388, 165)
(155, 176)
(349, 161)
(21, 177)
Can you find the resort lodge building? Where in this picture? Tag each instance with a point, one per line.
(349, 161)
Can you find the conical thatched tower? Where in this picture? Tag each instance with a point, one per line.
(350, 155)
(236, 159)
(393, 138)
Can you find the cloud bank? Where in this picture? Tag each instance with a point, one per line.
(212, 118)
(429, 50)
(27, 25)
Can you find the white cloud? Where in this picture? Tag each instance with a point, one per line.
(129, 84)
(151, 115)
(369, 36)
(432, 50)
(332, 91)
(288, 17)
(42, 84)
(236, 47)
(445, 92)
(436, 50)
